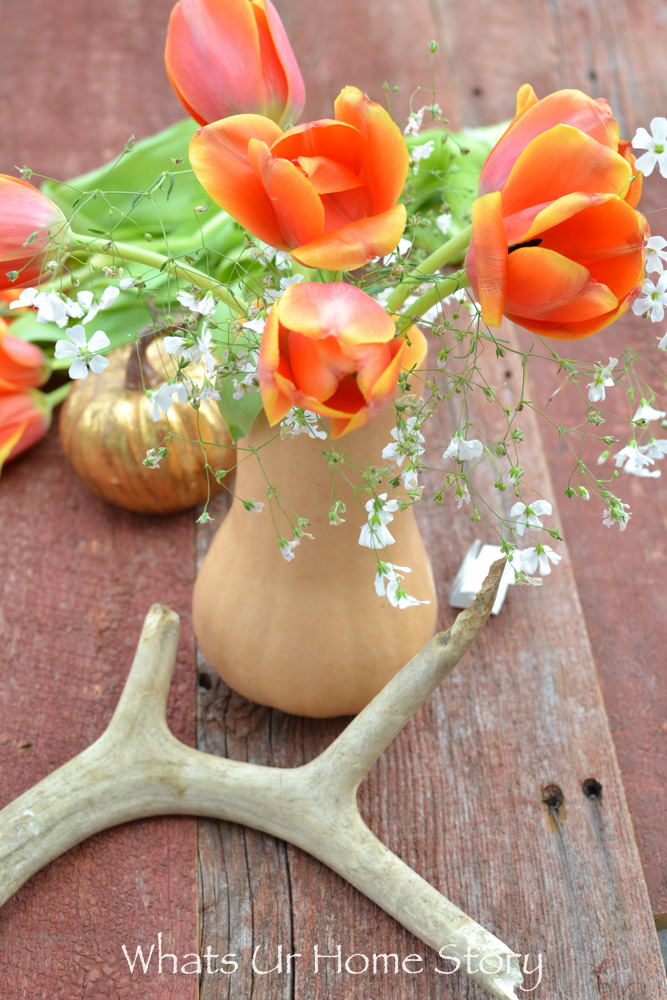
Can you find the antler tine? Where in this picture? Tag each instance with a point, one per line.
(354, 752)
(138, 768)
(143, 700)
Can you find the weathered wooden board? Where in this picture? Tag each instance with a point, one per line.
(76, 575)
(522, 713)
(543, 689)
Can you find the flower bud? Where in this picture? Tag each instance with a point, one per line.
(25, 418)
(22, 365)
(230, 57)
(30, 225)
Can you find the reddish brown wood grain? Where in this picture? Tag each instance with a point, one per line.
(522, 713)
(76, 575)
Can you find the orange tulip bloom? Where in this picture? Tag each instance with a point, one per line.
(22, 365)
(327, 190)
(24, 213)
(230, 57)
(557, 245)
(25, 418)
(332, 349)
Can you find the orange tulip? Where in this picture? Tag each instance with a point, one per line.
(332, 349)
(25, 418)
(28, 221)
(326, 190)
(229, 57)
(557, 245)
(22, 365)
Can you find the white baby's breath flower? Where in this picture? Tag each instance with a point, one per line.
(656, 255)
(443, 222)
(463, 450)
(287, 548)
(414, 124)
(84, 352)
(271, 294)
(462, 494)
(419, 153)
(410, 478)
(538, 558)
(153, 457)
(630, 459)
(299, 421)
(194, 349)
(602, 381)
(255, 325)
(374, 534)
(201, 393)
(618, 513)
(655, 449)
(655, 146)
(205, 306)
(645, 413)
(387, 582)
(407, 441)
(652, 299)
(163, 398)
(528, 515)
(254, 506)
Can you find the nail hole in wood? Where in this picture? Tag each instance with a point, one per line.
(592, 788)
(552, 797)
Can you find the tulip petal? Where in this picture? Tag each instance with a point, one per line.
(565, 107)
(297, 206)
(607, 239)
(22, 364)
(355, 243)
(634, 191)
(25, 418)
(570, 330)
(296, 91)
(386, 159)
(318, 365)
(328, 138)
(276, 387)
(326, 175)
(525, 99)
(533, 222)
(25, 213)
(544, 285)
(320, 310)
(207, 44)
(219, 158)
(414, 348)
(561, 161)
(489, 258)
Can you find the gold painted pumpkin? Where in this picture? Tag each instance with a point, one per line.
(106, 431)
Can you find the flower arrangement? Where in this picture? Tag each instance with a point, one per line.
(306, 269)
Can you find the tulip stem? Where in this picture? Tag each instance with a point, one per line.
(58, 395)
(95, 244)
(436, 293)
(451, 249)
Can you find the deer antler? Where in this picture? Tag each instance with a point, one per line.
(137, 768)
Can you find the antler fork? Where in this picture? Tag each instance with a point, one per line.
(138, 768)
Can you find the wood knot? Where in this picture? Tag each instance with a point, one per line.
(592, 788)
